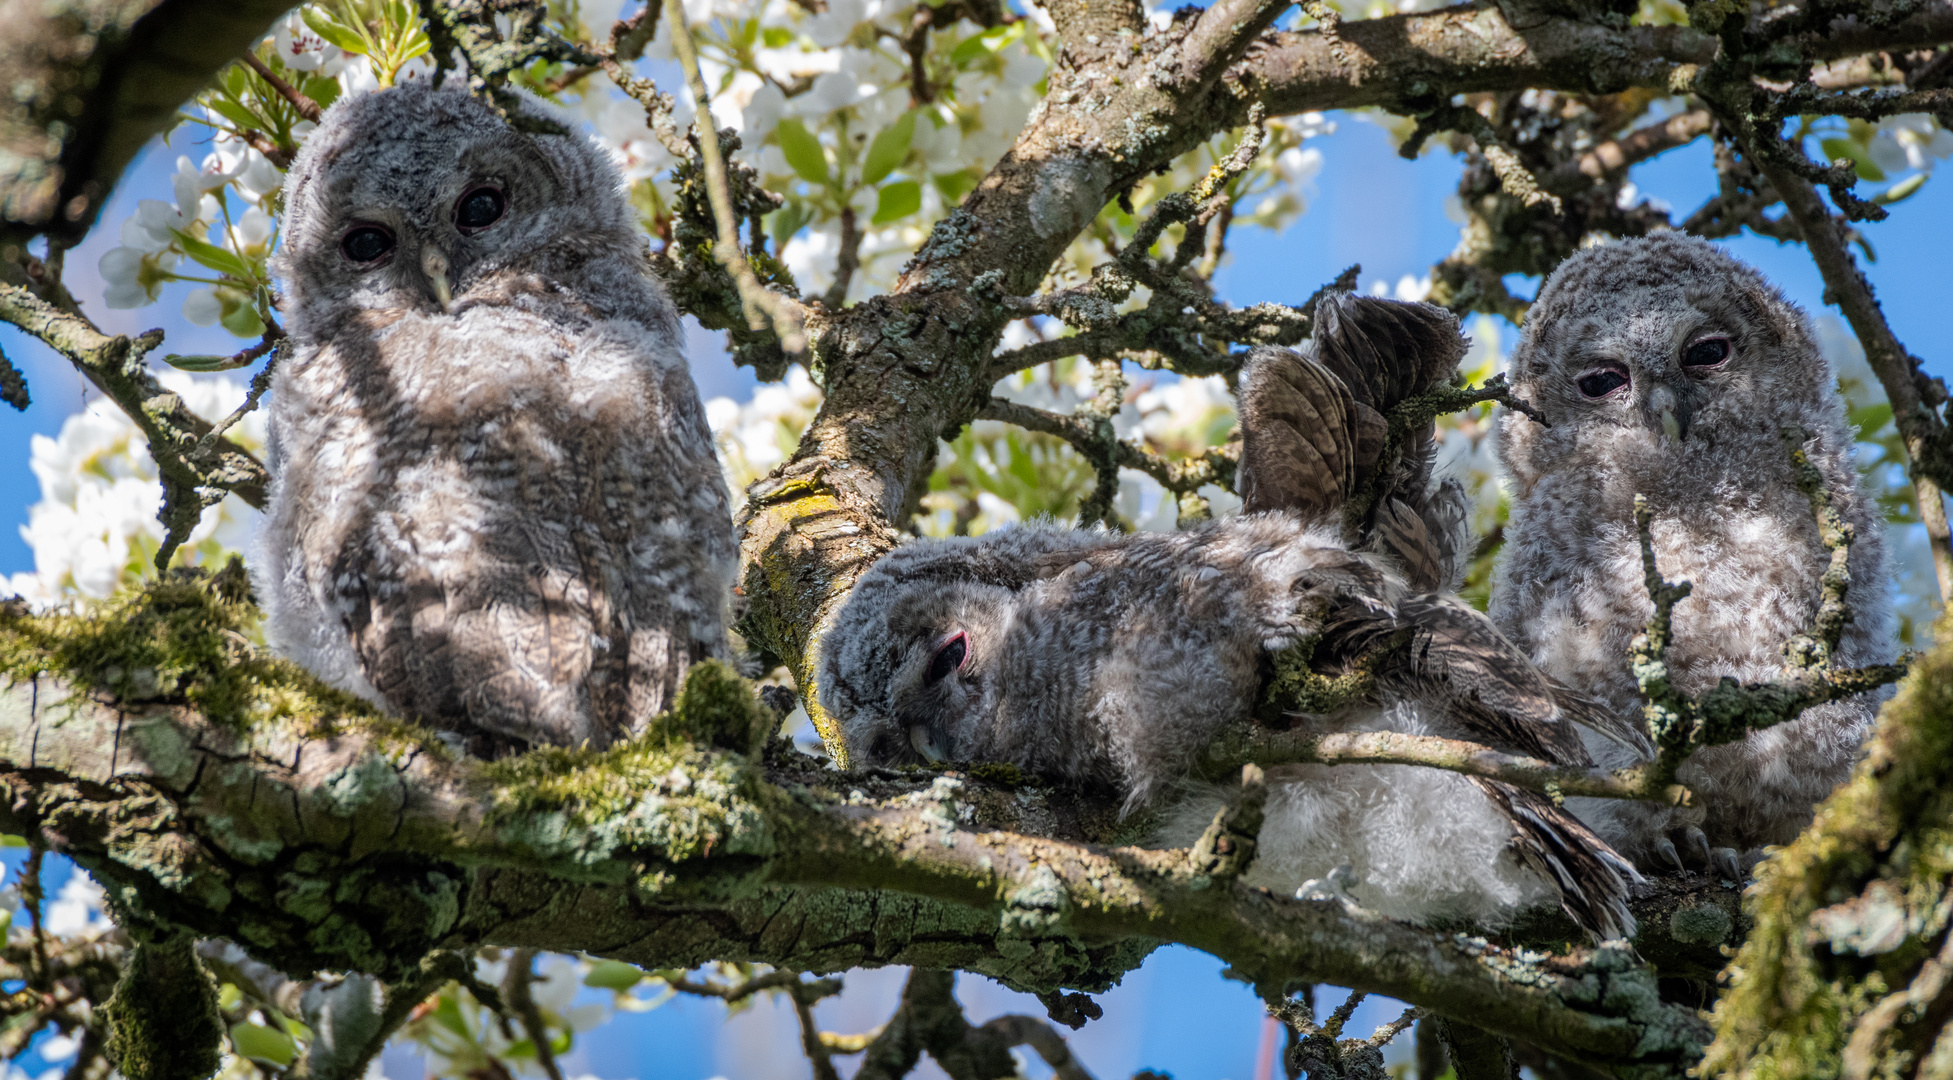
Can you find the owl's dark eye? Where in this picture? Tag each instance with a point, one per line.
(1601, 383)
(366, 244)
(479, 208)
(1706, 353)
(949, 656)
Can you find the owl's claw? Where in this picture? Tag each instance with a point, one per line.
(1665, 851)
(1725, 863)
(1697, 845)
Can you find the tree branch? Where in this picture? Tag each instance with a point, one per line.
(115, 366)
(764, 307)
(1929, 457)
(191, 820)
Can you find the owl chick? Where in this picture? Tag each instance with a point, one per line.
(495, 505)
(1669, 369)
(1109, 658)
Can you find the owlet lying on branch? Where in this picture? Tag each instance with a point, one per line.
(1097, 656)
(496, 505)
(1669, 369)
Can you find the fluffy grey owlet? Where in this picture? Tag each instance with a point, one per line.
(1103, 657)
(1669, 369)
(496, 505)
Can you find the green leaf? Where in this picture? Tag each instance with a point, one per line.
(613, 975)
(890, 147)
(1860, 159)
(8, 840)
(243, 321)
(803, 151)
(783, 223)
(1901, 190)
(218, 259)
(201, 363)
(335, 32)
(897, 201)
(232, 111)
(983, 44)
(264, 1044)
(322, 90)
(1872, 419)
(954, 185)
(776, 37)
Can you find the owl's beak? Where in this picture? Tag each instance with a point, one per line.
(1669, 413)
(925, 744)
(435, 266)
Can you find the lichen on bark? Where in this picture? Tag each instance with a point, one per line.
(1845, 972)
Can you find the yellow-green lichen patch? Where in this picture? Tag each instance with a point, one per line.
(1295, 686)
(1847, 914)
(182, 640)
(669, 793)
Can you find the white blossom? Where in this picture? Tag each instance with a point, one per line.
(303, 50)
(95, 529)
(1911, 142)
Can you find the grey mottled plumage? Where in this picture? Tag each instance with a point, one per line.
(1109, 658)
(1669, 369)
(496, 505)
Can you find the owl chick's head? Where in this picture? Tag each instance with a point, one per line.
(1658, 350)
(912, 666)
(407, 198)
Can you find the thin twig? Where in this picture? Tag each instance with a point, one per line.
(114, 365)
(516, 992)
(1518, 181)
(1929, 461)
(1187, 475)
(1383, 1034)
(306, 107)
(763, 306)
(1250, 742)
(32, 897)
(847, 262)
(13, 385)
(812, 1042)
(739, 991)
(1613, 157)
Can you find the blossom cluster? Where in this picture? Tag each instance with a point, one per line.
(95, 528)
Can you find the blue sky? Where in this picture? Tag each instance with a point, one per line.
(1177, 1013)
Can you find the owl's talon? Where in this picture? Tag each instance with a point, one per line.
(1665, 852)
(1726, 865)
(1697, 845)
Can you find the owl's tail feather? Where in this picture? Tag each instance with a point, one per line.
(1592, 879)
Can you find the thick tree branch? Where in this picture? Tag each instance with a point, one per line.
(214, 828)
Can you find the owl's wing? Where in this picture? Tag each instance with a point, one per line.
(1386, 350)
(1592, 879)
(1453, 658)
(1298, 435)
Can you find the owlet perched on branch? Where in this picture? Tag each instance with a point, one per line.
(1109, 658)
(496, 505)
(1669, 369)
